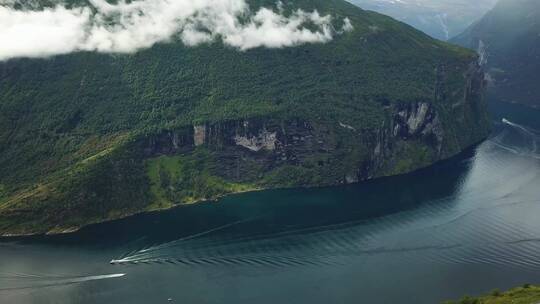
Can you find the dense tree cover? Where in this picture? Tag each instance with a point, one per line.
(69, 124)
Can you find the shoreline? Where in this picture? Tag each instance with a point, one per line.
(72, 230)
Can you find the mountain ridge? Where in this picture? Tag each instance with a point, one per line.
(88, 137)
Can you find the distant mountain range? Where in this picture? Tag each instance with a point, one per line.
(442, 19)
(508, 39)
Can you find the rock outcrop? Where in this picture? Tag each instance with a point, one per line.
(411, 136)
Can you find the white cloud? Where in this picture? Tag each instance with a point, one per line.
(128, 27)
(347, 25)
(49, 32)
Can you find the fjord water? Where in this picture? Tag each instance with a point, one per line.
(464, 226)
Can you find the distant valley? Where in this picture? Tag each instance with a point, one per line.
(442, 19)
(508, 39)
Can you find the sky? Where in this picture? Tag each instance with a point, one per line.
(129, 27)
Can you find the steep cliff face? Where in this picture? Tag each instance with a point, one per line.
(508, 41)
(267, 145)
(272, 152)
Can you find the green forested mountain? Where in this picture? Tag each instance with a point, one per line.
(508, 38)
(87, 137)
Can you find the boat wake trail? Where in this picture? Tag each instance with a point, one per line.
(443, 240)
(525, 129)
(20, 281)
(518, 139)
(279, 248)
(333, 244)
(444, 228)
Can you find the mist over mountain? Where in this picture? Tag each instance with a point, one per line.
(33, 29)
(442, 19)
(508, 39)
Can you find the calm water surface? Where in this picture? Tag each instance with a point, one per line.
(465, 226)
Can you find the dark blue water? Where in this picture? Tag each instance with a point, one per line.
(465, 226)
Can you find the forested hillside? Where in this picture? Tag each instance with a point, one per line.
(87, 137)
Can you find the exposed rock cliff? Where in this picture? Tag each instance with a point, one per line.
(261, 150)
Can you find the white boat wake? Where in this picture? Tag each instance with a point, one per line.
(529, 140)
(32, 281)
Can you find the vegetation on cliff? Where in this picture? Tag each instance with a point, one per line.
(75, 129)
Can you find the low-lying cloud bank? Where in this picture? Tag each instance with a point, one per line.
(128, 27)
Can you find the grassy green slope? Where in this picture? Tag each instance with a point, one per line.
(521, 295)
(69, 124)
